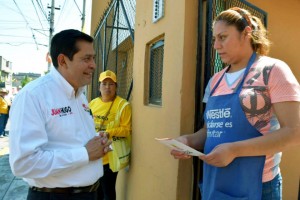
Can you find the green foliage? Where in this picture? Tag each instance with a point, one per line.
(25, 80)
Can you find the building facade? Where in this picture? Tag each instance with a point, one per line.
(5, 74)
(18, 77)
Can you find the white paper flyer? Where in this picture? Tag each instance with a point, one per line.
(176, 145)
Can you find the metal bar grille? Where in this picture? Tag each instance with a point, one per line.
(156, 70)
(114, 42)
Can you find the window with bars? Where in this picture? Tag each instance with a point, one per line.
(156, 72)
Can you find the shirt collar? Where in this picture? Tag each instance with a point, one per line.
(65, 85)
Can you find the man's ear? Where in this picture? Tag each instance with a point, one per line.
(61, 60)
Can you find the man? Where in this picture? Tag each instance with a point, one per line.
(4, 107)
(53, 143)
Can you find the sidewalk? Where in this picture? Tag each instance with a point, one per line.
(11, 187)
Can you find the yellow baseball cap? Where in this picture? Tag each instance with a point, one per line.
(108, 74)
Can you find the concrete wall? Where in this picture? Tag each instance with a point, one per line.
(98, 8)
(153, 173)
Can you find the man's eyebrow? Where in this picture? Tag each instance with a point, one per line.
(89, 55)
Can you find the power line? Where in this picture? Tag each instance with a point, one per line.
(33, 36)
(9, 22)
(10, 28)
(14, 36)
(41, 8)
(8, 8)
(61, 13)
(65, 12)
(21, 43)
(37, 14)
(40, 31)
(77, 7)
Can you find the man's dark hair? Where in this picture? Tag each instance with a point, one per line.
(64, 42)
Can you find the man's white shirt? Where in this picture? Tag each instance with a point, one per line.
(49, 129)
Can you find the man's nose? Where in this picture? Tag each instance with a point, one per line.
(93, 64)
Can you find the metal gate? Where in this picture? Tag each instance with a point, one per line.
(208, 10)
(114, 41)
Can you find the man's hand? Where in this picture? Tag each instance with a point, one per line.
(97, 147)
(103, 134)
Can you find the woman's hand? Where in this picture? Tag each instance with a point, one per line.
(221, 156)
(195, 141)
(179, 154)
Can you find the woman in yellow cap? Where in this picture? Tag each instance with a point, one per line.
(105, 108)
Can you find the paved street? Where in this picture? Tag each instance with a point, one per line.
(11, 187)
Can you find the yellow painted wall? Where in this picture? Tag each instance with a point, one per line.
(283, 25)
(153, 173)
(284, 28)
(98, 8)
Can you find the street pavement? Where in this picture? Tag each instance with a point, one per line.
(11, 187)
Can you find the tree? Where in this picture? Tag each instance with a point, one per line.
(25, 80)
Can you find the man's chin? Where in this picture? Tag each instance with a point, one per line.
(87, 82)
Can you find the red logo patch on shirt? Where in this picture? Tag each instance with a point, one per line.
(86, 108)
(61, 111)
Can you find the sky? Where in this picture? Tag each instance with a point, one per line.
(24, 30)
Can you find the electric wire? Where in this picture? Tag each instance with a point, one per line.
(14, 36)
(64, 13)
(33, 36)
(38, 16)
(42, 9)
(61, 13)
(21, 43)
(77, 7)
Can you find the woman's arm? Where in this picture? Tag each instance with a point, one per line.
(288, 114)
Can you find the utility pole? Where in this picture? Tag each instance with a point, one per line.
(51, 22)
(83, 15)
